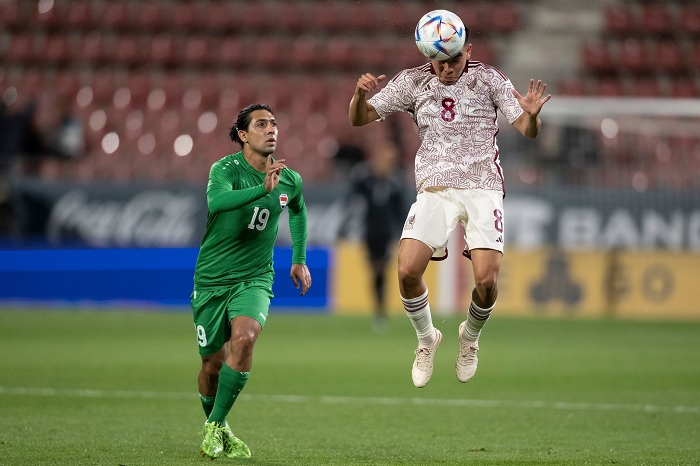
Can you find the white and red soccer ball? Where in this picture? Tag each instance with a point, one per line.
(440, 35)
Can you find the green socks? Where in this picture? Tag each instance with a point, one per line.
(207, 403)
(231, 382)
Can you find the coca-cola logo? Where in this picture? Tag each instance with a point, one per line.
(149, 218)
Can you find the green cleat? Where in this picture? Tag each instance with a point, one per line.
(213, 443)
(233, 446)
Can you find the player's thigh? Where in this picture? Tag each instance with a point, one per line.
(251, 299)
(211, 322)
(431, 220)
(486, 264)
(484, 226)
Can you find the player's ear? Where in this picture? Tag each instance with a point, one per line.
(242, 134)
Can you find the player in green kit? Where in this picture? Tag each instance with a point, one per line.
(246, 194)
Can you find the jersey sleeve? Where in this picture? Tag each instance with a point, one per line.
(396, 96)
(298, 223)
(504, 98)
(221, 195)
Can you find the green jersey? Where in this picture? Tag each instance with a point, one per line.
(242, 223)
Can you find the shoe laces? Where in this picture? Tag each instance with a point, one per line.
(467, 353)
(423, 357)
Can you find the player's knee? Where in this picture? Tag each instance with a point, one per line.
(409, 276)
(211, 366)
(486, 284)
(242, 342)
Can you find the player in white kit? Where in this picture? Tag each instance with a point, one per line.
(458, 179)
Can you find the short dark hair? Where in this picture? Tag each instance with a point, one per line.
(243, 120)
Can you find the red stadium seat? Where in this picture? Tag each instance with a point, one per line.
(646, 87)
(56, 49)
(93, 48)
(152, 16)
(620, 19)
(174, 89)
(406, 55)
(360, 17)
(476, 19)
(656, 19)
(572, 87)
(328, 17)
(219, 16)
(256, 16)
(684, 88)
(185, 16)
(51, 16)
(400, 16)
(291, 17)
(695, 56)
(66, 83)
(13, 15)
(21, 48)
(79, 15)
(210, 87)
(306, 51)
(340, 52)
(690, 19)
(130, 49)
(635, 56)
(669, 57)
(232, 51)
(198, 50)
(374, 54)
(103, 86)
(609, 87)
(30, 83)
(504, 17)
(484, 51)
(116, 15)
(164, 50)
(596, 57)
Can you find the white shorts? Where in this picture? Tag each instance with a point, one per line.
(435, 214)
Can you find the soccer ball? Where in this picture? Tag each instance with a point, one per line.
(440, 35)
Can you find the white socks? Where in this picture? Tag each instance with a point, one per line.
(418, 311)
(476, 319)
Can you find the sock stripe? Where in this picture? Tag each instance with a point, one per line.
(479, 314)
(415, 306)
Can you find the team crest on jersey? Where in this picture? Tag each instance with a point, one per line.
(283, 200)
(410, 221)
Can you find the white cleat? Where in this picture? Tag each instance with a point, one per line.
(465, 367)
(423, 364)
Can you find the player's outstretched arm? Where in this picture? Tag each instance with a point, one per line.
(529, 123)
(361, 112)
(301, 277)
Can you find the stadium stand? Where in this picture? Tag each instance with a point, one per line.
(149, 71)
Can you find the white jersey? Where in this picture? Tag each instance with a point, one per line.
(457, 124)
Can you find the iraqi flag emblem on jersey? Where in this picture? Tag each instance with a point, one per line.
(283, 200)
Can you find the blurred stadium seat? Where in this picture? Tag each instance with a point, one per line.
(656, 19)
(620, 19)
(217, 55)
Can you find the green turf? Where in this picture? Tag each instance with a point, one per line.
(119, 388)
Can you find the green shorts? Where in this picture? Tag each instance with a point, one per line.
(213, 309)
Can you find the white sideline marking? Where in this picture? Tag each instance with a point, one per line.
(358, 400)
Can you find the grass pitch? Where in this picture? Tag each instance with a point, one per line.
(119, 388)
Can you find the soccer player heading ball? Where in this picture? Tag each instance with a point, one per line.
(459, 180)
(246, 194)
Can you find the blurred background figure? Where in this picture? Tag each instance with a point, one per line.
(379, 183)
(32, 130)
(58, 132)
(348, 155)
